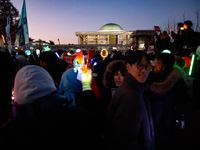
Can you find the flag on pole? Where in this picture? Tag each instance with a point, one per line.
(8, 38)
(22, 35)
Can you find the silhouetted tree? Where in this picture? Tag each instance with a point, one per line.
(7, 9)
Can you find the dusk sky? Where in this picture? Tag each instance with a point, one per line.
(53, 19)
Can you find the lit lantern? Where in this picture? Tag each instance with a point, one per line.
(104, 53)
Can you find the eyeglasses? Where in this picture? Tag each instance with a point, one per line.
(141, 66)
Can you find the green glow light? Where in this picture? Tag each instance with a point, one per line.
(46, 49)
(191, 65)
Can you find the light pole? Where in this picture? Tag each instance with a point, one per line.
(59, 41)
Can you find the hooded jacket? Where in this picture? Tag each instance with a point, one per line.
(34, 86)
(70, 85)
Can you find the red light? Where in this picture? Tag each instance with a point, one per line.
(188, 61)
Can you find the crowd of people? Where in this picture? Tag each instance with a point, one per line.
(137, 100)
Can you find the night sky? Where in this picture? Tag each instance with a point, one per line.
(53, 19)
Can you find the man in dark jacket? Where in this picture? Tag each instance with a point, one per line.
(129, 123)
(166, 94)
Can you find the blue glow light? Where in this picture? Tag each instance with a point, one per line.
(95, 63)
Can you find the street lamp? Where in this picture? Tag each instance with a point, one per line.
(59, 41)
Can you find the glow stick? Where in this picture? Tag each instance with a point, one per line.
(89, 57)
(57, 55)
(80, 59)
(191, 65)
(79, 56)
(3, 39)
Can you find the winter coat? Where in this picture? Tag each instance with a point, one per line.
(108, 78)
(166, 94)
(129, 123)
(70, 85)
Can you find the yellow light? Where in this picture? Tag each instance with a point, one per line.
(104, 53)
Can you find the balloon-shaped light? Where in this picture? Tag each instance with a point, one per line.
(104, 53)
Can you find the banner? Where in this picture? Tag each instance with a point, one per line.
(22, 35)
(157, 29)
(69, 59)
(8, 38)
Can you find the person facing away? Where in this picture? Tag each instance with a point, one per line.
(42, 118)
(166, 94)
(129, 123)
(49, 62)
(34, 91)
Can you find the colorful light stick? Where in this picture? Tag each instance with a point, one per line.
(80, 60)
(191, 65)
(86, 69)
(89, 57)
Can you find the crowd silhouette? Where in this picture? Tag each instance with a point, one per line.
(148, 99)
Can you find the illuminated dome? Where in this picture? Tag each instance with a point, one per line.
(111, 27)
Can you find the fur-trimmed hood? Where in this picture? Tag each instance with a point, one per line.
(110, 70)
(168, 83)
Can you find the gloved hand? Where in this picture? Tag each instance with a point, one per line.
(86, 80)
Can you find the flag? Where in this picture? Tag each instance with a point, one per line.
(22, 35)
(8, 38)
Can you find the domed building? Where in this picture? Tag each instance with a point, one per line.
(111, 27)
(108, 34)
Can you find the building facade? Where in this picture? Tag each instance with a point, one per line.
(109, 34)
